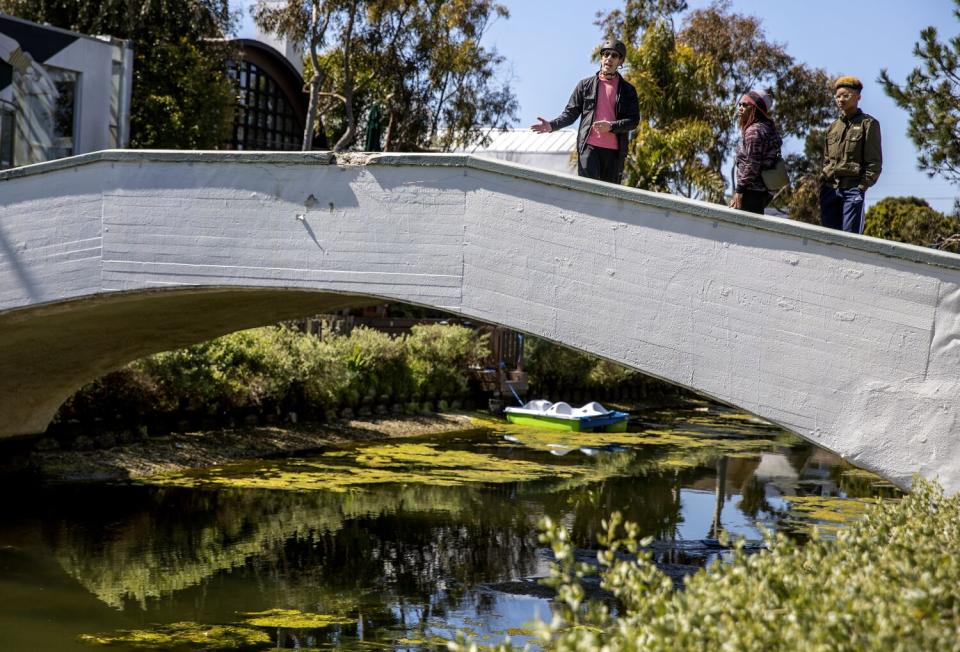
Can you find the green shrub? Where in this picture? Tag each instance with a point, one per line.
(556, 368)
(887, 582)
(276, 367)
(183, 377)
(437, 355)
(553, 366)
(321, 377)
(607, 375)
(244, 369)
(128, 392)
(913, 221)
(375, 363)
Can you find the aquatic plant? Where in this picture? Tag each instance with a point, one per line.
(887, 582)
(409, 463)
(294, 619)
(180, 635)
(827, 513)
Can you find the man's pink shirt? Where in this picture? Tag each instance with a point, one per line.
(606, 110)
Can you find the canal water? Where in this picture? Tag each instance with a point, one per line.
(395, 544)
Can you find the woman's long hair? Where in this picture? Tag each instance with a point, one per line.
(750, 115)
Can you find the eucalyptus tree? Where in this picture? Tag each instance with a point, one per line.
(419, 63)
(305, 24)
(667, 151)
(722, 54)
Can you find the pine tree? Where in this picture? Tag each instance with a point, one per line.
(931, 95)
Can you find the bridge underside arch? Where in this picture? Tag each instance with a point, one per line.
(49, 352)
(850, 342)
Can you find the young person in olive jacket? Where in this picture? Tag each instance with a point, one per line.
(852, 160)
(607, 106)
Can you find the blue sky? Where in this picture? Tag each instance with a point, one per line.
(547, 46)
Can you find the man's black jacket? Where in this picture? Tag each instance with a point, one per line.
(583, 104)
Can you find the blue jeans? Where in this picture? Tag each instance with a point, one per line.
(842, 208)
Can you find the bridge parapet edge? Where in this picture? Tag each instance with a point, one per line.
(663, 201)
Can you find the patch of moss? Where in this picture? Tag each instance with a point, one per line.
(828, 514)
(407, 463)
(430, 640)
(182, 634)
(293, 619)
(688, 440)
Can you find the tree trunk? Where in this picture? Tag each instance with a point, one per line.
(347, 138)
(315, 81)
(311, 113)
(389, 135)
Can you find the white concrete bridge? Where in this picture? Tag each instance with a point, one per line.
(850, 342)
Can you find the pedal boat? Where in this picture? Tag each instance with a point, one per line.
(561, 416)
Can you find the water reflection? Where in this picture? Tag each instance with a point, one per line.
(403, 563)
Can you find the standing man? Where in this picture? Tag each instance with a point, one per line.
(607, 106)
(852, 160)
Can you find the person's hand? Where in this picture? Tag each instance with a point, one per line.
(543, 127)
(736, 201)
(603, 126)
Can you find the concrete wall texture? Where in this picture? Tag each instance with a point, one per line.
(848, 341)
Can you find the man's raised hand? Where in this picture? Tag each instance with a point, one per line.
(542, 127)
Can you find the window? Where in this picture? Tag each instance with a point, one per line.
(265, 118)
(64, 111)
(8, 119)
(46, 100)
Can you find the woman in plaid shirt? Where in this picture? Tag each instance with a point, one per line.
(758, 150)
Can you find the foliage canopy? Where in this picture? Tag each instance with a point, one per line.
(419, 64)
(913, 221)
(689, 80)
(276, 367)
(931, 95)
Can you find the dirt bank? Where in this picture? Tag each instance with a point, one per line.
(179, 451)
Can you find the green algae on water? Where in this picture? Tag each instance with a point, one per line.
(293, 619)
(828, 513)
(551, 440)
(407, 463)
(182, 635)
(434, 640)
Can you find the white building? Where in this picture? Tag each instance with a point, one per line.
(555, 151)
(61, 93)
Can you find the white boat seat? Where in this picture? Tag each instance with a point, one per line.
(592, 409)
(539, 405)
(560, 409)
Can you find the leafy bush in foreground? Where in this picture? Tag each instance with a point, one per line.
(891, 581)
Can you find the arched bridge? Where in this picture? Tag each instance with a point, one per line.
(851, 342)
